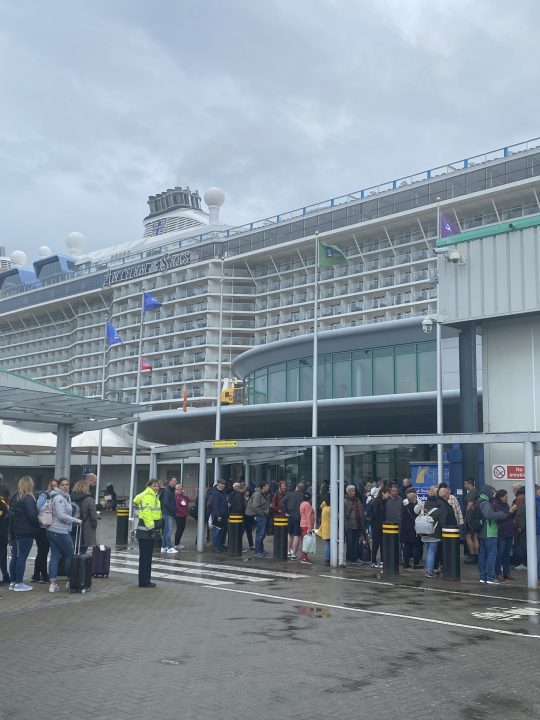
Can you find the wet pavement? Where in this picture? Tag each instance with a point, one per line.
(251, 638)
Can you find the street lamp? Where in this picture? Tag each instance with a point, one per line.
(427, 326)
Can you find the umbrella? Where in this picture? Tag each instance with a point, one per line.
(15, 441)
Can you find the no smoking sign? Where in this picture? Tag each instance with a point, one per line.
(508, 472)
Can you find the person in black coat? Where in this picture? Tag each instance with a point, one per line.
(4, 533)
(412, 544)
(378, 516)
(24, 526)
(218, 508)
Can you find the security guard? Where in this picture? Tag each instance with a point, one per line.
(148, 530)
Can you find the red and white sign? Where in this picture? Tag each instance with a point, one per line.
(508, 472)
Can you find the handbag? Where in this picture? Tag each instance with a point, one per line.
(425, 524)
(365, 551)
(309, 542)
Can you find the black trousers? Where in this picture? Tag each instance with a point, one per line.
(146, 545)
(40, 565)
(180, 527)
(352, 537)
(376, 542)
(414, 550)
(3, 558)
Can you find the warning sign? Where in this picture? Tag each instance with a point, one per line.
(508, 472)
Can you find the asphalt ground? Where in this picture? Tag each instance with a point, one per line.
(256, 639)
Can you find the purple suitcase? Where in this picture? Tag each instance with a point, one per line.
(101, 560)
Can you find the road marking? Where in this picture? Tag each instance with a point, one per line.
(382, 613)
(430, 589)
(170, 576)
(218, 566)
(506, 614)
(190, 571)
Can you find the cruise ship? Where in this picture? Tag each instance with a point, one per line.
(53, 311)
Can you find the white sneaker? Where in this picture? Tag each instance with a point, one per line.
(53, 587)
(180, 547)
(164, 549)
(11, 586)
(172, 551)
(521, 567)
(21, 587)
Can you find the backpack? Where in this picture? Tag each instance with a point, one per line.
(425, 524)
(45, 514)
(475, 519)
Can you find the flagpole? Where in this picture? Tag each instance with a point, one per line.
(218, 395)
(136, 424)
(100, 434)
(440, 466)
(314, 417)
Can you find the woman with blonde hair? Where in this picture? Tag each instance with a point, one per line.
(24, 526)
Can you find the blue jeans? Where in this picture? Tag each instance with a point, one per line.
(327, 550)
(502, 563)
(216, 537)
(168, 522)
(486, 558)
(430, 557)
(61, 546)
(20, 550)
(260, 533)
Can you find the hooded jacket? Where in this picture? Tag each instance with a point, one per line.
(490, 515)
(61, 512)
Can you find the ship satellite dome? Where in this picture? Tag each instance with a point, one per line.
(214, 196)
(75, 242)
(18, 258)
(44, 251)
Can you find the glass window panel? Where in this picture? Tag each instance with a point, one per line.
(277, 386)
(342, 378)
(437, 188)
(386, 205)
(402, 349)
(456, 186)
(354, 214)
(406, 373)
(297, 230)
(383, 351)
(260, 393)
(306, 381)
(361, 377)
(369, 210)
(419, 196)
(276, 368)
(427, 371)
(293, 383)
(383, 375)
(339, 218)
(324, 378)
(426, 346)
(476, 180)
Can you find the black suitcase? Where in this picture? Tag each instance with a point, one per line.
(101, 557)
(80, 574)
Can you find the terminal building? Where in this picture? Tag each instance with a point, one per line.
(254, 287)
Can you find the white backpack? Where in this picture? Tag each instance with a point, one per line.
(45, 515)
(425, 524)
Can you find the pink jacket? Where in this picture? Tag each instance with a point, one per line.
(307, 516)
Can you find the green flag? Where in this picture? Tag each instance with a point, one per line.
(330, 255)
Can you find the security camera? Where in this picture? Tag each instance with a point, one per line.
(427, 325)
(454, 256)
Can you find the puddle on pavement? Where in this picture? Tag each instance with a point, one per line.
(171, 661)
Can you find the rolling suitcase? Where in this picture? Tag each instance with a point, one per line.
(80, 574)
(101, 558)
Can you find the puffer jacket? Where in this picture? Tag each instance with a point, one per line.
(61, 512)
(24, 522)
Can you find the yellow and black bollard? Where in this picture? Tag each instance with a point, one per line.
(236, 527)
(390, 548)
(122, 522)
(450, 553)
(280, 538)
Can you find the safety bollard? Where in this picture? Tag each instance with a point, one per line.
(122, 522)
(280, 538)
(390, 548)
(450, 553)
(236, 528)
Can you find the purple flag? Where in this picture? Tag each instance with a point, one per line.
(447, 227)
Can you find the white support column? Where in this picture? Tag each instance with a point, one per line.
(530, 516)
(341, 508)
(153, 464)
(62, 466)
(202, 499)
(246, 472)
(333, 505)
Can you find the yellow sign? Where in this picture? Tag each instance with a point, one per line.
(224, 443)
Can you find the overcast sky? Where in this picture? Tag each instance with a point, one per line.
(282, 103)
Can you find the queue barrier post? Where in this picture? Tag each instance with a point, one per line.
(280, 538)
(450, 553)
(122, 523)
(236, 527)
(390, 548)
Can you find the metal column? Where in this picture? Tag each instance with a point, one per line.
(153, 464)
(530, 515)
(468, 400)
(333, 505)
(202, 499)
(62, 466)
(341, 507)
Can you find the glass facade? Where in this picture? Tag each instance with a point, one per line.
(388, 370)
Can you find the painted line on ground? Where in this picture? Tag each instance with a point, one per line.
(190, 571)
(381, 613)
(219, 566)
(169, 576)
(429, 589)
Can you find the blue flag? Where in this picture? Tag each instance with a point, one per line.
(113, 338)
(150, 302)
(447, 227)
